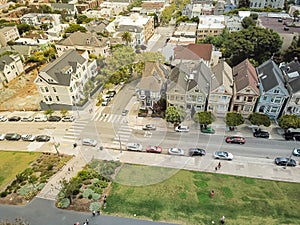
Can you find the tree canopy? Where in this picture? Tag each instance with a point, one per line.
(204, 118)
(234, 119)
(22, 28)
(126, 36)
(259, 119)
(289, 121)
(74, 28)
(254, 42)
(174, 114)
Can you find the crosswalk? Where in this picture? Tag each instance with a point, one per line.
(109, 118)
(75, 130)
(123, 134)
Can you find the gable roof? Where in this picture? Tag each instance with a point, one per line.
(193, 52)
(292, 71)
(244, 74)
(5, 60)
(269, 75)
(83, 39)
(153, 77)
(57, 69)
(188, 75)
(223, 76)
(97, 25)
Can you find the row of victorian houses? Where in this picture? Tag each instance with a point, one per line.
(193, 84)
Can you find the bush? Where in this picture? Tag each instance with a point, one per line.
(96, 196)
(87, 192)
(50, 167)
(26, 190)
(75, 192)
(80, 196)
(90, 196)
(63, 203)
(95, 206)
(3, 194)
(41, 186)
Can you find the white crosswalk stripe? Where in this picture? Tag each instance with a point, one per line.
(109, 118)
(75, 130)
(123, 134)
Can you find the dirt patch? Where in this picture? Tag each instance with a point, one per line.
(21, 94)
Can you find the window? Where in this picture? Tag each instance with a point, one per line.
(13, 67)
(265, 98)
(238, 97)
(276, 100)
(57, 98)
(50, 99)
(46, 99)
(54, 89)
(247, 108)
(250, 99)
(276, 91)
(46, 89)
(273, 109)
(42, 89)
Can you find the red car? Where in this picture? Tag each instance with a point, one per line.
(235, 140)
(154, 149)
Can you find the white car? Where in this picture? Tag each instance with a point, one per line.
(28, 137)
(149, 127)
(2, 137)
(3, 118)
(181, 128)
(40, 119)
(27, 119)
(223, 155)
(89, 142)
(176, 151)
(134, 147)
(68, 119)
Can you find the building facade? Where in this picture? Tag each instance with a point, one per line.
(8, 34)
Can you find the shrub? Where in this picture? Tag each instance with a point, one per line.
(80, 196)
(95, 196)
(90, 196)
(50, 167)
(87, 192)
(3, 194)
(63, 203)
(75, 192)
(95, 206)
(25, 190)
(41, 186)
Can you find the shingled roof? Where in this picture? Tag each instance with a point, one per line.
(82, 39)
(57, 69)
(5, 60)
(244, 74)
(193, 52)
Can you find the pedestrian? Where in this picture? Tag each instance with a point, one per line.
(219, 165)
(69, 169)
(104, 205)
(223, 220)
(212, 193)
(216, 168)
(98, 212)
(87, 221)
(94, 213)
(104, 201)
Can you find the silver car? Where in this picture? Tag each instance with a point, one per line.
(134, 147)
(27, 119)
(28, 137)
(89, 142)
(176, 151)
(223, 155)
(3, 118)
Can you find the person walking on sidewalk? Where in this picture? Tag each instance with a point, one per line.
(219, 165)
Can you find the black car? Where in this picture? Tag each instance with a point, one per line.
(14, 118)
(42, 138)
(261, 134)
(196, 152)
(12, 137)
(111, 93)
(282, 161)
(54, 119)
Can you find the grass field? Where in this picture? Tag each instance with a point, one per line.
(184, 198)
(12, 163)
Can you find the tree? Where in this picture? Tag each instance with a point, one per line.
(296, 14)
(22, 28)
(293, 50)
(174, 115)
(254, 42)
(289, 121)
(244, 4)
(64, 112)
(81, 18)
(204, 118)
(259, 119)
(74, 28)
(248, 21)
(48, 112)
(234, 119)
(126, 36)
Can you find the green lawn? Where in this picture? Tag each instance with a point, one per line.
(12, 163)
(183, 197)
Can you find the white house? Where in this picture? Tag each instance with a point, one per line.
(61, 82)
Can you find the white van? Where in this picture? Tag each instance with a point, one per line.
(134, 147)
(89, 142)
(181, 128)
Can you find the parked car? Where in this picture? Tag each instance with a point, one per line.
(111, 93)
(2, 137)
(40, 118)
(89, 142)
(196, 152)
(42, 138)
(134, 147)
(282, 161)
(182, 128)
(28, 137)
(14, 118)
(296, 152)
(235, 140)
(27, 119)
(154, 149)
(67, 119)
(12, 137)
(175, 151)
(292, 135)
(54, 118)
(104, 103)
(125, 112)
(3, 118)
(223, 155)
(207, 130)
(149, 127)
(261, 133)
